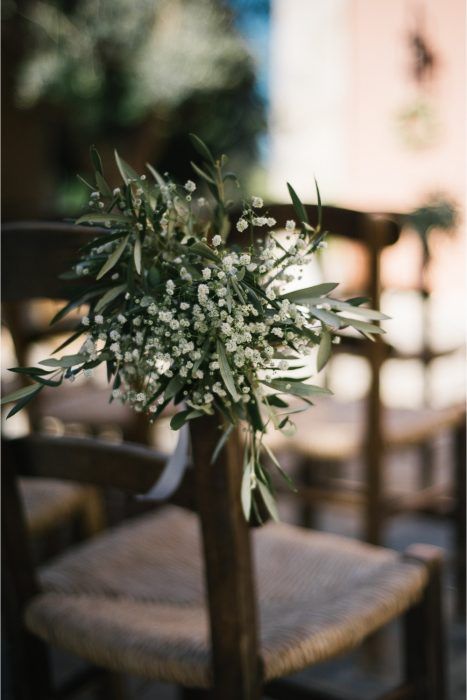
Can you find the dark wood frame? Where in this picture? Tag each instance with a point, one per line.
(226, 539)
(230, 585)
(375, 233)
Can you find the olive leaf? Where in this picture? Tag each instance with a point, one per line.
(324, 350)
(226, 372)
(113, 259)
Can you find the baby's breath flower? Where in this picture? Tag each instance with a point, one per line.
(190, 311)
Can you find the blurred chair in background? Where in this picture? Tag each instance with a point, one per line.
(34, 255)
(336, 432)
(133, 600)
(41, 252)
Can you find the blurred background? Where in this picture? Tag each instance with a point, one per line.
(368, 96)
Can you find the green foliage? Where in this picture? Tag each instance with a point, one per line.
(175, 314)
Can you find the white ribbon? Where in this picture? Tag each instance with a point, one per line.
(174, 469)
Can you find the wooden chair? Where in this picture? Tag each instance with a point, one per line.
(34, 255)
(224, 611)
(336, 433)
(40, 252)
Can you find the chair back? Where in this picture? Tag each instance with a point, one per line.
(37, 254)
(211, 489)
(375, 233)
(34, 255)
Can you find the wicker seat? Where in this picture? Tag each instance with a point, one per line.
(336, 430)
(49, 502)
(133, 599)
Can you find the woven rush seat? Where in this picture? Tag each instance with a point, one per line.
(50, 502)
(336, 431)
(132, 599)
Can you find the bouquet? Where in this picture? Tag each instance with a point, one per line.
(177, 315)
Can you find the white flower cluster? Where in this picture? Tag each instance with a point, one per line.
(177, 334)
(177, 315)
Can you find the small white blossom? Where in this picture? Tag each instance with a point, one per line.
(216, 241)
(242, 225)
(99, 319)
(85, 321)
(203, 292)
(256, 202)
(290, 225)
(190, 186)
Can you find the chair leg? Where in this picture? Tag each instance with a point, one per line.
(35, 684)
(460, 516)
(112, 686)
(308, 509)
(194, 694)
(427, 464)
(93, 516)
(374, 506)
(424, 632)
(22, 650)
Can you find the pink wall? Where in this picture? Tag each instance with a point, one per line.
(385, 173)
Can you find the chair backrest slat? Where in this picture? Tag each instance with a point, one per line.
(35, 254)
(129, 467)
(345, 223)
